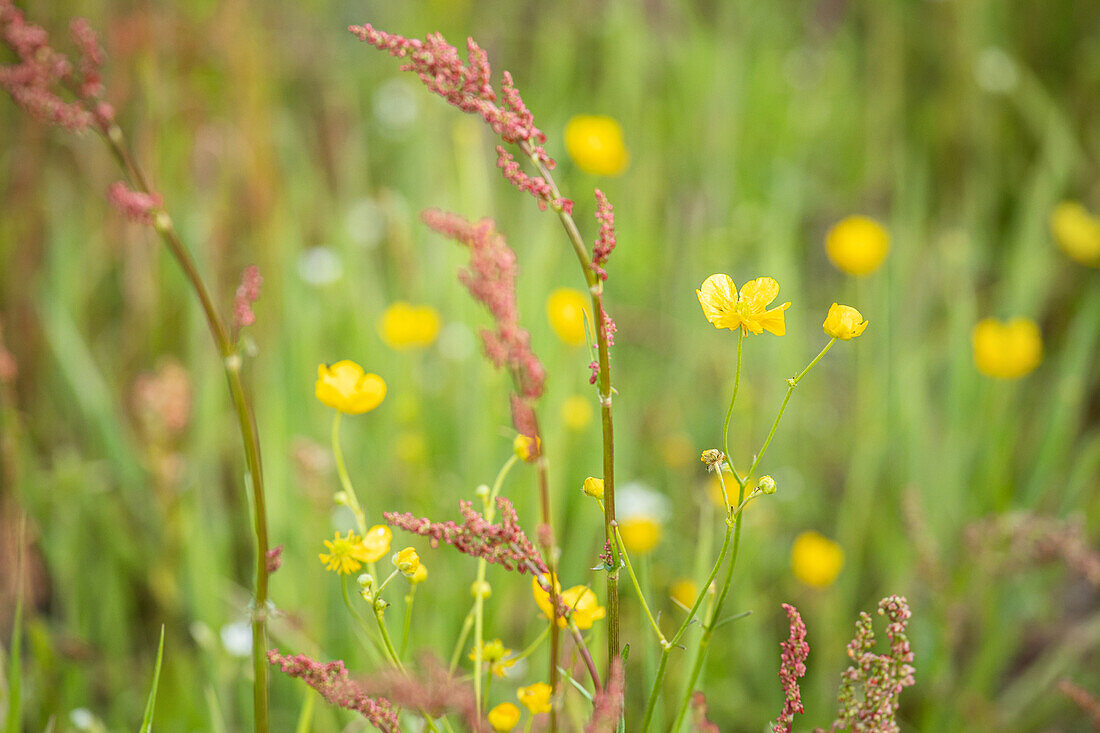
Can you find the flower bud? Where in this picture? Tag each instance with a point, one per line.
(340, 498)
(527, 449)
(712, 457)
(407, 561)
(482, 492)
(594, 487)
(366, 581)
(481, 589)
(766, 485)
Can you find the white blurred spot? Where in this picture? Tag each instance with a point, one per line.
(365, 224)
(995, 71)
(237, 638)
(395, 107)
(456, 342)
(635, 499)
(84, 719)
(320, 266)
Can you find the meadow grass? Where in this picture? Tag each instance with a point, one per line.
(752, 127)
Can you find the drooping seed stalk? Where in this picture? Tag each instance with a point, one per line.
(231, 362)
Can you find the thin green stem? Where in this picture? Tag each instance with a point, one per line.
(534, 645)
(467, 624)
(350, 496)
(729, 414)
(409, 598)
(595, 288)
(708, 627)
(379, 613)
(231, 361)
(638, 589)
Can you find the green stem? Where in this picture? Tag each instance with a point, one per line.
(231, 362)
(595, 288)
(638, 589)
(467, 624)
(708, 627)
(534, 645)
(345, 480)
(729, 414)
(408, 618)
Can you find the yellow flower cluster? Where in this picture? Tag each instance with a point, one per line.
(595, 143)
(347, 554)
(405, 326)
(1007, 350)
(1077, 232)
(747, 309)
(566, 309)
(816, 560)
(857, 245)
(586, 608)
(343, 386)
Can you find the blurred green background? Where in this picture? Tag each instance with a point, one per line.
(279, 139)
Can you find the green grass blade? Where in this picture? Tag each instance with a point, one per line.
(147, 720)
(12, 722)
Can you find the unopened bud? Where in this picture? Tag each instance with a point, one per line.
(407, 561)
(594, 487)
(482, 492)
(481, 589)
(766, 485)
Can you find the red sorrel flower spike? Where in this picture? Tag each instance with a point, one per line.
(505, 544)
(248, 292)
(605, 214)
(792, 667)
(135, 205)
(331, 680)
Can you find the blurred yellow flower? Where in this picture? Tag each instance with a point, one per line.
(504, 717)
(640, 533)
(407, 561)
(593, 487)
(420, 575)
(684, 591)
(495, 654)
(748, 310)
(1077, 232)
(857, 245)
(595, 143)
(405, 326)
(1007, 350)
(576, 412)
(536, 697)
(566, 310)
(581, 599)
(815, 559)
(345, 387)
(345, 554)
(844, 322)
(526, 449)
(677, 450)
(376, 543)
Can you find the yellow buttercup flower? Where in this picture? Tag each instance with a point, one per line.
(576, 412)
(857, 245)
(376, 543)
(345, 554)
(420, 575)
(586, 608)
(816, 560)
(844, 322)
(725, 307)
(1077, 232)
(536, 697)
(527, 448)
(593, 487)
(595, 143)
(496, 655)
(345, 387)
(685, 591)
(640, 533)
(407, 561)
(1007, 350)
(405, 326)
(504, 717)
(566, 309)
